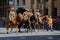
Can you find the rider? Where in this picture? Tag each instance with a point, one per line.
(37, 15)
(12, 14)
(25, 19)
(25, 14)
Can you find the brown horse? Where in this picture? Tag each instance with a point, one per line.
(40, 22)
(13, 23)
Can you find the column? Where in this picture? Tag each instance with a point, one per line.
(58, 7)
(15, 4)
(20, 3)
(50, 7)
(42, 6)
(28, 4)
(35, 5)
(7, 8)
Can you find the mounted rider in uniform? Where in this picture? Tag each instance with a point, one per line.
(12, 14)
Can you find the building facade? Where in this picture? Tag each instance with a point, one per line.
(4, 8)
(47, 7)
(52, 7)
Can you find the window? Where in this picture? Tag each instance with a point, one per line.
(46, 12)
(46, 0)
(54, 14)
(17, 2)
(23, 2)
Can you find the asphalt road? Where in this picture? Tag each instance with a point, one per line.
(46, 35)
(41, 37)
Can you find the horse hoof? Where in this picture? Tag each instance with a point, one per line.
(19, 31)
(47, 30)
(27, 31)
(7, 32)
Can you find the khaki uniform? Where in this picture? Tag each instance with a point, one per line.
(37, 15)
(12, 15)
(25, 15)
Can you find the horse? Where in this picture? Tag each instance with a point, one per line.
(22, 21)
(32, 22)
(40, 22)
(45, 22)
(13, 23)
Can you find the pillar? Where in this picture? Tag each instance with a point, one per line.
(15, 4)
(35, 5)
(28, 4)
(50, 7)
(20, 3)
(58, 7)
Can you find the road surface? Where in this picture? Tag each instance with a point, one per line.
(41, 35)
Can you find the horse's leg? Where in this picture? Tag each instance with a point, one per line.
(19, 25)
(34, 26)
(43, 27)
(11, 28)
(26, 26)
(7, 28)
(17, 29)
(27, 29)
(39, 27)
